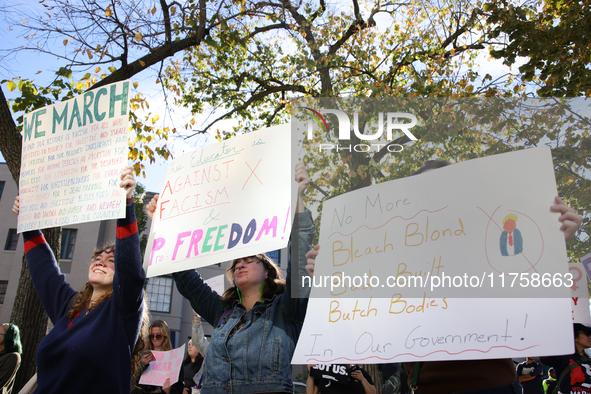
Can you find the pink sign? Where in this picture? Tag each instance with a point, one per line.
(166, 366)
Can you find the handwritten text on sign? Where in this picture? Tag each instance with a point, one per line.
(73, 153)
(227, 200)
(427, 247)
(166, 366)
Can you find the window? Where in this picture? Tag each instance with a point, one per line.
(68, 241)
(159, 291)
(1, 188)
(3, 287)
(11, 240)
(275, 256)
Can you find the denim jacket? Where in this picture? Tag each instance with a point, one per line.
(257, 357)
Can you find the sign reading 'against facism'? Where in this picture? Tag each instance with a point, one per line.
(73, 153)
(227, 200)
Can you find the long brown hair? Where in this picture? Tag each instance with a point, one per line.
(84, 297)
(140, 344)
(274, 283)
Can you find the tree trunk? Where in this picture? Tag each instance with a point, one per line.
(10, 139)
(29, 315)
(27, 312)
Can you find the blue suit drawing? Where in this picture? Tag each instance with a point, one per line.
(517, 242)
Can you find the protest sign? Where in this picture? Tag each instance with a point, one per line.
(432, 267)
(166, 366)
(73, 153)
(580, 293)
(224, 201)
(216, 283)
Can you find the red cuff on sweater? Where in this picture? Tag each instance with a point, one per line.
(126, 231)
(38, 240)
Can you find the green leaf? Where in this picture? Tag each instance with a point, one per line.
(11, 86)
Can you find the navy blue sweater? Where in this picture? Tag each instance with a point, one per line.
(93, 354)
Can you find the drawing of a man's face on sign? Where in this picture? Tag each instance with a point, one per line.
(514, 242)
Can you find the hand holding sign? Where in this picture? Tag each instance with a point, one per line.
(571, 221)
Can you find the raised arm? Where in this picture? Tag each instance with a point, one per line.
(296, 306)
(198, 338)
(130, 277)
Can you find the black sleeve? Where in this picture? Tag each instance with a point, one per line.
(367, 377)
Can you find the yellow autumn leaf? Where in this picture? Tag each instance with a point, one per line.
(96, 70)
(154, 10)
(172, 10)
(135, 85)
(11, 86)
(142, 63)
(138, 36)
(65, 42)
(108, 11)
(193, 121)
(80, 85)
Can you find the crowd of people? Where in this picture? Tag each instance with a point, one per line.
(102, 337)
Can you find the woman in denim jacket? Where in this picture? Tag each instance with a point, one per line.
(257, 321)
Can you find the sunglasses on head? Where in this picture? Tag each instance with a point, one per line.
(157, 336)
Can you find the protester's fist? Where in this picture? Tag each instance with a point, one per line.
(151, 207)
(16, 207)
(301, 177)
(571, 221)
(128, 181)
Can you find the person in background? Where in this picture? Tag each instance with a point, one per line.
(257, 321)
(359, 382)
(574, 370)
(550, 383)
(159, 340)
(10, 356)
(191, 366)
(95, 330)
(529, 374)
(200, 343)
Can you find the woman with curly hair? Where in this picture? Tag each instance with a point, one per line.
(93, 341)
(257, 321)
(10, 355)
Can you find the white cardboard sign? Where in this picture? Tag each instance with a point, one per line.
(580, 293)
(166, 366)
(427, 258)
(73, 153)
(224, 201)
